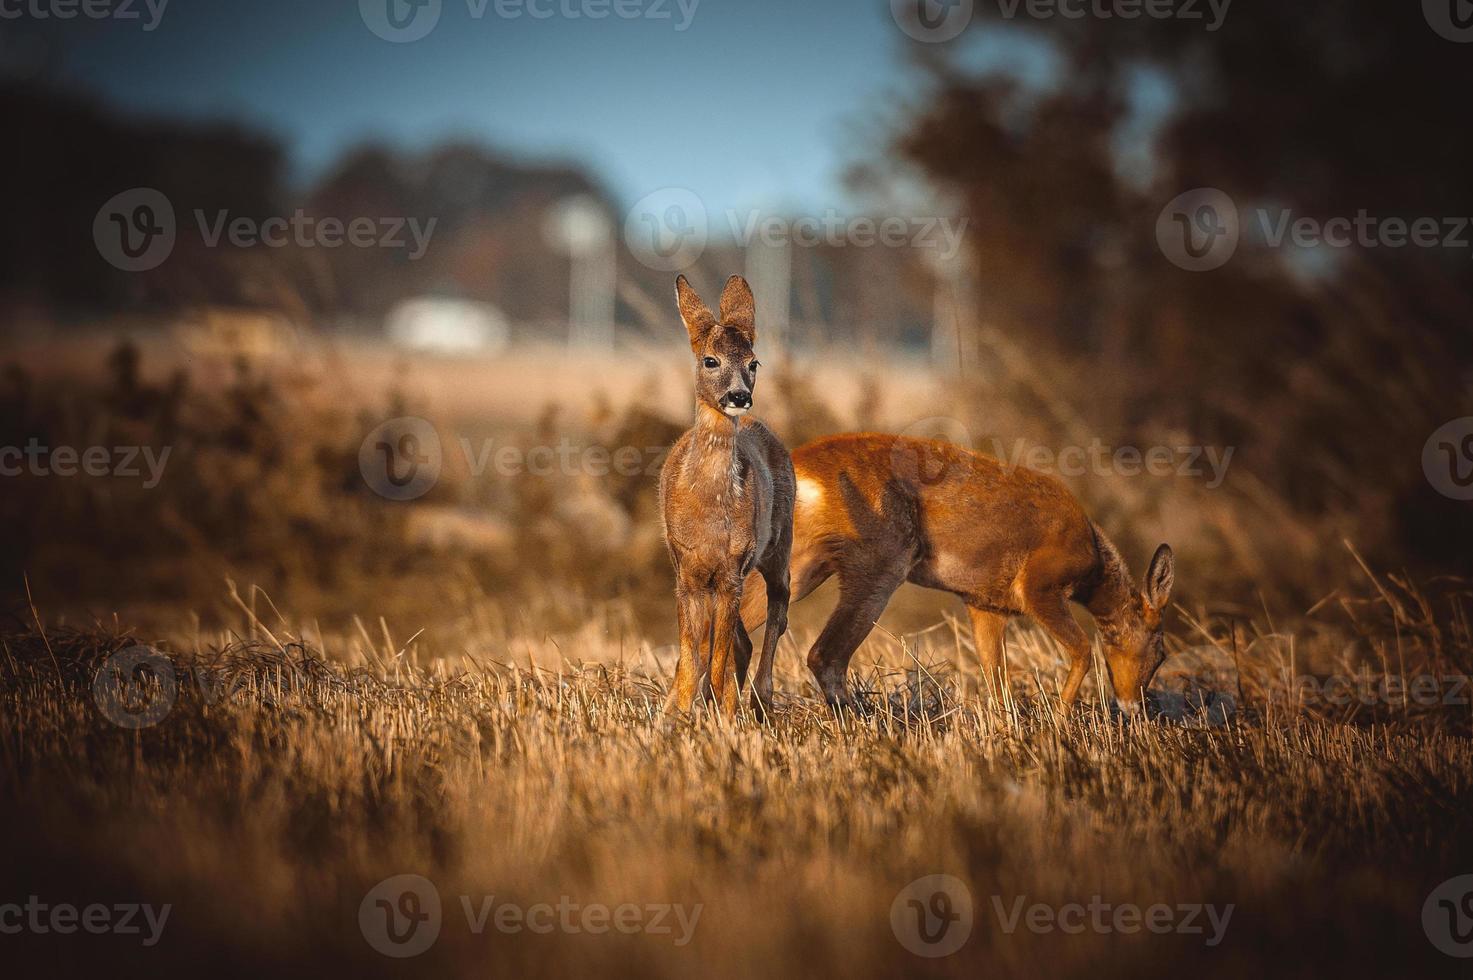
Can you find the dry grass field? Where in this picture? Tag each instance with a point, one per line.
(280, 788)
(342, 690)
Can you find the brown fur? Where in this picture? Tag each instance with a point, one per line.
(881, 510)
(726, 498)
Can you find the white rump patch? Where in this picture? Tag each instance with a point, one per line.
(810, 493)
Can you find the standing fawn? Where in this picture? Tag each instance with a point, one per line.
(726, 497)
(880, 510)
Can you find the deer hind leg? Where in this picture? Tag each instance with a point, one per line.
(799, 573)
(987, 633)
(1051, 611)
(777, 624)
(741, 653)
(863, 595)
(806, 572)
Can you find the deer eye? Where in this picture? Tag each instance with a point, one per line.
(711, 362)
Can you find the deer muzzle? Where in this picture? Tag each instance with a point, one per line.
(736, 403)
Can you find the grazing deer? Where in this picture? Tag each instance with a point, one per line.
(880, 510)
(726, 497)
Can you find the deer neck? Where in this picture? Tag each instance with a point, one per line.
(1113, 604)
(714, 451)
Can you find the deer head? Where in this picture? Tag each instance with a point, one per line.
(726, 371)
(1133, 640)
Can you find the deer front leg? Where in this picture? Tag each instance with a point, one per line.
(726, 620)
(1052, 613)
(688, 672)
(1078, 670)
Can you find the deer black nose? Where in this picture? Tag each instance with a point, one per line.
(739, 399)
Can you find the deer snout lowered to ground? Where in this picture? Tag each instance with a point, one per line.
(726, 498)
(881, 510)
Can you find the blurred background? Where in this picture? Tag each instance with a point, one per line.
(248, 247)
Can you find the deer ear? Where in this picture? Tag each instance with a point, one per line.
(1160, 576)
(693, 313)
(738, 309)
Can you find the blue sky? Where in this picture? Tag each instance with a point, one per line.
(748, 103)
(755, 103)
